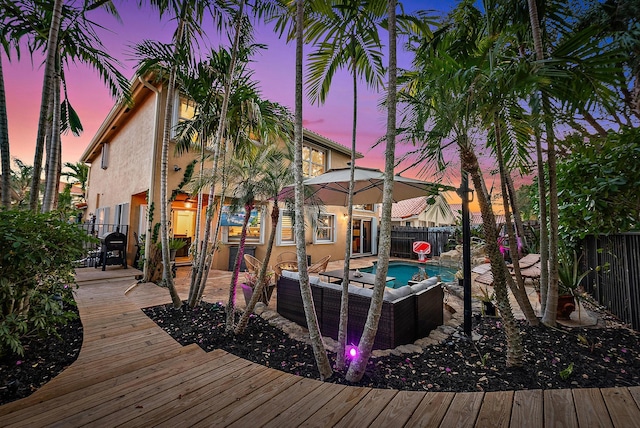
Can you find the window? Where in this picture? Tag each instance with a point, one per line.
(287, 234)
(104, 159)
(232, 226)
(363, 207)
(325, 229)
(313, 161)
(183, 110)
(121, 215)
(102, 215)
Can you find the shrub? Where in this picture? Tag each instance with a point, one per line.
(36, 274)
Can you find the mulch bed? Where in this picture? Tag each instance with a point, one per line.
(598, 357)
(554, 357)
(44, 358)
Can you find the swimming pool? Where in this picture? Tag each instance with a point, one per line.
(404, 271)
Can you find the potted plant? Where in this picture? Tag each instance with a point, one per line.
(488, 307)
(568, 284)
(174, 246)
(250, 283)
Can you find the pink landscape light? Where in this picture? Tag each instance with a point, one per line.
(352, 351)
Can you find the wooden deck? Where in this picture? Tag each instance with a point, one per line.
(131, 373)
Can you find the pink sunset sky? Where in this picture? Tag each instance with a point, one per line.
(274, 69)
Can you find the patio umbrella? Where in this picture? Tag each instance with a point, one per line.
(332, 187)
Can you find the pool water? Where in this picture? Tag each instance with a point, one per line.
(404, 271)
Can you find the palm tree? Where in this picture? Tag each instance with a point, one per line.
(47, 90)
(189, 15)
(202, 271)
(80, 173)
(20, 182)
(5, 156)
(276, 175)
(358, 365)
(443, 94)
(317, 344)
(346, 35)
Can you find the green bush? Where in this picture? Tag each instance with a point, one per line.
(36, 274)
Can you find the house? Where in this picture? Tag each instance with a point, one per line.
(124, 182)
(418, 212)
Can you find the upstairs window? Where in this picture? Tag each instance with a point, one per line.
(314, 161)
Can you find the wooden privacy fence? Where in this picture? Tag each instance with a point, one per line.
(403, 237)
(615, 280)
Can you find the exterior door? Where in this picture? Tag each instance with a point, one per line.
(361, 236)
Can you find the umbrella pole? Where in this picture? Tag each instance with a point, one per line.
(466, 251)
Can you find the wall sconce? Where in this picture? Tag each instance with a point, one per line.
(176, 168)
(188, 205)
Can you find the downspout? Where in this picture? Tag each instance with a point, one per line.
(152, 175)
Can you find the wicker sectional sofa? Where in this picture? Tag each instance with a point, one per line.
(408, 313)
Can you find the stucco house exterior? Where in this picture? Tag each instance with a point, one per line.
(124, 181)
(417, 212)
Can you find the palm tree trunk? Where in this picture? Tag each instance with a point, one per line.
(51, 187)
(319, 351)
(518, 288)
(359, 364)
(49, 70)
(202, 275)
(515, 349)
(231, 306)
(344, 301)
(262, 283)
(517, 216)
(549, 316)
(544, 232)
(167, 275)
(5, 154)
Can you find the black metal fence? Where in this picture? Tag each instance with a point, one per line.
(403, 237)
(615, 281)
(97, 230)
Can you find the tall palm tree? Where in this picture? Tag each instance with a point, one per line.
(443, 95)
(276, 175)
(189, 15)
(205, 260)
(346, 35)
(5, 156)
(358, 365)
(315, 336)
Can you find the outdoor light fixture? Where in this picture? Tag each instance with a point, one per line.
(187, 205)
(352, 351)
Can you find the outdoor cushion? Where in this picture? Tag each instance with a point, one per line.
(329, 285)
(292, 275)
(364, 292)
(393, 294)
(424, 284)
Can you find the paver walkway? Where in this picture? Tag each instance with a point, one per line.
(131, 373)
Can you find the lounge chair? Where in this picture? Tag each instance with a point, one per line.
(253, 264)
(319, 266)
(287, 256)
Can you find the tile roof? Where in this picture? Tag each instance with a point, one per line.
(409, 207)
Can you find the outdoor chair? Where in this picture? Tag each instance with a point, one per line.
(319, 266)
(289, 265)
(253, 264)
(287, 256)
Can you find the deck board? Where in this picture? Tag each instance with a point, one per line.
(463, 410)
(590, 408)
(131, 373)
(623, 409)
(496, 409)
(431, 409)
(559, 409)
(527, 410)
